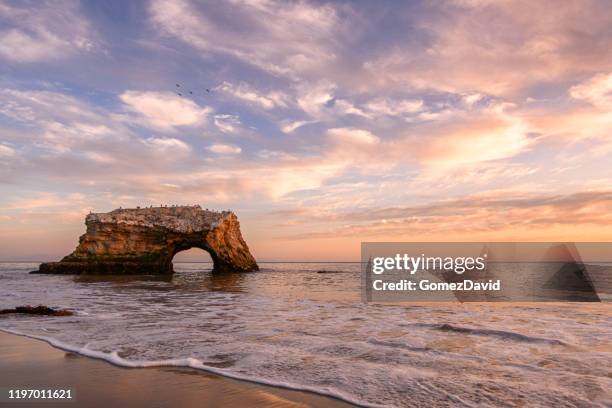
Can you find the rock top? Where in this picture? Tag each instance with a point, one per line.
(184, 219)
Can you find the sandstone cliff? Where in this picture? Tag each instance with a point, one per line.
(144, 241)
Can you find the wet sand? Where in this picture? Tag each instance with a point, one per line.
(28, 363)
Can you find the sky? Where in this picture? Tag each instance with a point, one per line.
(325, 124)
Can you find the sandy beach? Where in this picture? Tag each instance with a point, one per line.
(28, 363)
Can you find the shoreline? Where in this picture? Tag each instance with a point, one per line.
(29, 362)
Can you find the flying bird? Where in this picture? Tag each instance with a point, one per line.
(207, 90)
(179, 94)
(178, 86)
(191, 92)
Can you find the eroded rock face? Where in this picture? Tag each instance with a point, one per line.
(144, 241)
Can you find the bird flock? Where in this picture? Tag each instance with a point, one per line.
(179, 88)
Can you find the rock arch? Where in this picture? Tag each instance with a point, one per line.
(144, 241)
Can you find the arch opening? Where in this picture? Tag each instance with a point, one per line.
(192, 255)
(192, 259)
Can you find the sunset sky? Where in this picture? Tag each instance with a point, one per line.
(326, 124)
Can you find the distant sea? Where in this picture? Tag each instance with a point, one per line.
(290, 325)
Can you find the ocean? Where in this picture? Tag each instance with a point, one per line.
(292, 326)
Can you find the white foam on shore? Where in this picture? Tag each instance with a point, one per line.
(187, 362)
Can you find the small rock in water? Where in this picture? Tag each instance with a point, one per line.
(38, 310)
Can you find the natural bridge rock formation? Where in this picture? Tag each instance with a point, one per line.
(144, 240)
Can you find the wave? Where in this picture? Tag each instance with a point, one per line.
(188, 362)
(394, 344)
(328, 271)
(505, 335)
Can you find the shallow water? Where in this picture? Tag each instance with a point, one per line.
(291, 326)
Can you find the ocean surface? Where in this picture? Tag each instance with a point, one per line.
(291, 326)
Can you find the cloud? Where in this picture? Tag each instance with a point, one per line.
(597, 90)
(56, 134)
(44, 200)
(488, 215)
(472, 98)
(237, 179)
(393, 107)
(461, 140)
(228, 123)
(62, 133)
(56, 122)
(102, 158)
(319, 101)
(246, 93)
(496, 48)
(168, 145)
(285, 38)
(470, 139)
(34, 106)
(163, 110)
(583, 125)
(43, 31)
(344, 107)
(291, 126)
(314, 97)
(6, 151)
(221, 148)
(352, 137)
(352, 147)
